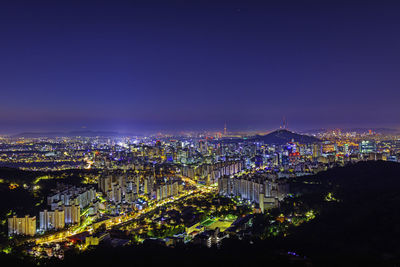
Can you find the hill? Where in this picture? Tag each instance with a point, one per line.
(362, 225)
(282, 136)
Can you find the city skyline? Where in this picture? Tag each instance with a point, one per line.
(217, 133)
(192, 130)
(140, 67)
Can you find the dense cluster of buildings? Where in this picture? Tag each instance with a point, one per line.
(121, 188)
(136, 171)
(52, 219)
(67, 195)
(167, 190)
(65, 203)
(261, 188)
(210, 173)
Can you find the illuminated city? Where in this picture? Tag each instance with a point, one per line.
(184, 133)
(166, 189)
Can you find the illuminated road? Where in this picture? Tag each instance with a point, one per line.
(122, 219)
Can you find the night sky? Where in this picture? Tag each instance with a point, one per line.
(146, 66)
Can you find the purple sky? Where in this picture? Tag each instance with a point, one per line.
(148, 67)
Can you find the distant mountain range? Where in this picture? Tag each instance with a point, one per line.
(87, 133)
(283, 136)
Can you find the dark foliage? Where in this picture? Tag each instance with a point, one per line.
(282, 137)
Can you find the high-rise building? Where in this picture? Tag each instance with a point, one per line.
(104, 184)
(250, 187)
(52, 219)
(70, 195)
(316, 150)
(72, 214)
(367, 146)
(22, 226)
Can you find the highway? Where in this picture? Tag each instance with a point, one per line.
(122, 219)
